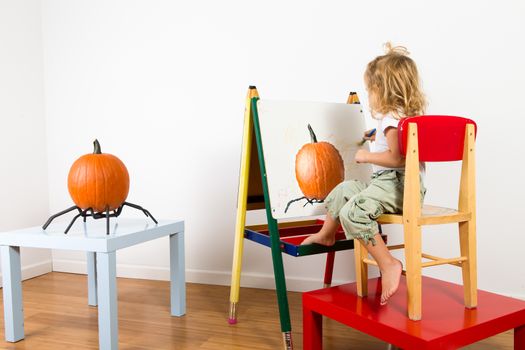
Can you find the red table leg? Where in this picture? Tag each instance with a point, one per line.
(519, 338)
(312, 329)
(329, 269)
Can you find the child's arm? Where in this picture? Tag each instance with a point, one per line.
(390, 159)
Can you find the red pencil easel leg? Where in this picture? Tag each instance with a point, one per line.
(312, 330)
(519, 338)
(329, 269)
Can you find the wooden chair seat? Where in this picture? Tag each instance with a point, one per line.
(430, 215)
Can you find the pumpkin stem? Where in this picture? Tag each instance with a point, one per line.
(96, 146)
(312, 134)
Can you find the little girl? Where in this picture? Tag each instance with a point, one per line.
(394, 92)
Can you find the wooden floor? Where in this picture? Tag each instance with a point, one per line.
(57, 317)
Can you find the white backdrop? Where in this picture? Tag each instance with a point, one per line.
(23, 179)
(162, 85)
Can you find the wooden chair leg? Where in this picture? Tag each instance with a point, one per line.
(361, 269)
(467, 240)
(413, 270)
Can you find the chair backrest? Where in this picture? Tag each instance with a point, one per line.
(440, 138)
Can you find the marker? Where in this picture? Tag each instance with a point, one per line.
(370, 134)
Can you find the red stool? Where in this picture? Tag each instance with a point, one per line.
(447, 323)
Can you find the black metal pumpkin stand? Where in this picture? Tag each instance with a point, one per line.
(96, 215)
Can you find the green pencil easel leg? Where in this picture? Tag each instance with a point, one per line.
(280, 283)
(277, 258)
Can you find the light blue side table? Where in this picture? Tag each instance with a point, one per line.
(101, 261)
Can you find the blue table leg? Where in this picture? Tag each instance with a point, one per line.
(177, 274)
(12, 286)
(107, 301)
(92, 278)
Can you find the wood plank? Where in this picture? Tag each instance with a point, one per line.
(467, 230)
(436, 258)
(430, 215)
(452, 261)
(361, 267)
(58, 318)
(412, 230)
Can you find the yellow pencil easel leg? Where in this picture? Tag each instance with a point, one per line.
(241, 207)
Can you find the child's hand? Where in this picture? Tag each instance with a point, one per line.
(361, 156)
(369, 138)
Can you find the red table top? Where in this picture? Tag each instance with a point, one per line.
(446, 323)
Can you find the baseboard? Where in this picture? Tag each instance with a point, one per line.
(34, 270)
(222, 278)
(515, 296)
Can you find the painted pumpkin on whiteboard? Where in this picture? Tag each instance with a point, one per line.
(99, 181)
(318, 168)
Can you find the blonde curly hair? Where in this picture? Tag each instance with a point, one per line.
(393, 84)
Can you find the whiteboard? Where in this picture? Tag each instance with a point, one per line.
(284, 130)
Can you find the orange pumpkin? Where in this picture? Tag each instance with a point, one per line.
(318, 168)
(99, 181)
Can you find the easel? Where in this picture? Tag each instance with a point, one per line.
(253, 194)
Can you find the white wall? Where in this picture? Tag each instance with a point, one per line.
(23, 179)
(162, 84)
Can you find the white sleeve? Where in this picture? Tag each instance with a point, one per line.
(388, 122)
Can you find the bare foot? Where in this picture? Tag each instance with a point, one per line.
(390, 276)
(320, 238)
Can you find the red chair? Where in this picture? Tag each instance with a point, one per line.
(432, 139)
